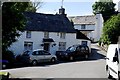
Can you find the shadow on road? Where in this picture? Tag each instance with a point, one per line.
(95, 55)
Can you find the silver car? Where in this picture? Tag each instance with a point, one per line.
(39, 55)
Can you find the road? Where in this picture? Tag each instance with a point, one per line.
(94, 67)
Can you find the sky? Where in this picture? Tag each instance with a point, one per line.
(72, 7)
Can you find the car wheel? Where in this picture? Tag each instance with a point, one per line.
(34, 63)
(71, 58)
(53, 60)
(108, 74)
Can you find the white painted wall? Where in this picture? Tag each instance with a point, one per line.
(88, 27)
(97, 28)
(37, 37)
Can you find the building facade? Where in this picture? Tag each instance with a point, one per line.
(49, 32)
(90, 25)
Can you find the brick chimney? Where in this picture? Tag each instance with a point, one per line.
(62, 11)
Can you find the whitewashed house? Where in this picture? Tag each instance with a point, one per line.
(90, 25)
(49, 32)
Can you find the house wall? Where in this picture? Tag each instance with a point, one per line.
(98, 27)
(37, 38)
(88, 27)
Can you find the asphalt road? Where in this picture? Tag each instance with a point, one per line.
(94, 67)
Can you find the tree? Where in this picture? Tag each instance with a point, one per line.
(111, 30)
(105, 7)
(13, 22)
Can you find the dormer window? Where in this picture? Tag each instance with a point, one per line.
(83, 26)
(28, 34)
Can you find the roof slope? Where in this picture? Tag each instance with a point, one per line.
(90, 19)
(48, 22)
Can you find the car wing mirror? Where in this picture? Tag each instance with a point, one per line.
(115, 59)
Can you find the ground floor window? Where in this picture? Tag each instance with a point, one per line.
(62, 46)
(84, 43)
(28, 45)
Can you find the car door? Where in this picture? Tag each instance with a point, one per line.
(48, 56)
(78, 51)
(114, 64)
(40, 56)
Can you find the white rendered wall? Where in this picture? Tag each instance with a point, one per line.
(37, 37)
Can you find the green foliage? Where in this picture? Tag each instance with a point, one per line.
(111, 30)
(13, 21)
(105, 7)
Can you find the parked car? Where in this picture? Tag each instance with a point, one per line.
(5, 64)
(23, 57)
(73, 52)
(36, 56)
(39, 55)
(113, 61)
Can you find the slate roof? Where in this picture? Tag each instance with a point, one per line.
(90, 19)
(48, 22)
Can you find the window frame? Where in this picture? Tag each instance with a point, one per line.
(83, 26)
(62, 35)
(63, 47)
(28, 34)
(46, 35)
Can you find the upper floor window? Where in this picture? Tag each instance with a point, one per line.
(62, 35)
(46, 34)
(62, 46)
(83, 26)
(28, 34)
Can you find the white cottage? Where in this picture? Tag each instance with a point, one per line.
(90, 25)
(49, 32)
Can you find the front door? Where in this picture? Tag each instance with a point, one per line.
(46, 46)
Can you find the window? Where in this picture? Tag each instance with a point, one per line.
(83, 26)
(28, 34)
(62, 46)
(46, 34)
(62, 35)
(84, 43)
(28, 45)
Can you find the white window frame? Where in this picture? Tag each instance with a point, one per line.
(62, 46)
(62, 35)
(28, 45)
(28, 34)
(46, 35)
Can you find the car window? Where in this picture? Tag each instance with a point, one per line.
(119, 50)
(46, 53)
(71, 48)
(40, 53)
(35, 53)
(26, 53)
(82, 48)
(78, 48)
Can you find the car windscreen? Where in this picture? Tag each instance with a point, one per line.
(71, 48)
(26, 53)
